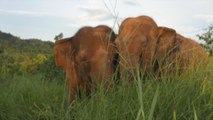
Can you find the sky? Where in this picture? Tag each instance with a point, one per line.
(43, 19)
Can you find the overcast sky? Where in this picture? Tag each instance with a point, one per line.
(44, 19)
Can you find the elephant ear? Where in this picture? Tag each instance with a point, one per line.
(166, 43)
(62, 52)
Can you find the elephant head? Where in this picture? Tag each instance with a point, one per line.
(165, 50)
(88, 58)
(95, 53)
(136, 43)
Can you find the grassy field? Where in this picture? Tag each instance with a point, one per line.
(29, 97)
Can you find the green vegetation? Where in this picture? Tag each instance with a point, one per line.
(31, 97)
(41, 94)
(207, 38)
(18, 56)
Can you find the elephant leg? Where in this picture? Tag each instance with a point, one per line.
(73, 83)
(72, 91)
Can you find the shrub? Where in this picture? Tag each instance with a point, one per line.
(31, 65)
(50, 71)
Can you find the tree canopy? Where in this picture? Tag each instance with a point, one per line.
(207, 38)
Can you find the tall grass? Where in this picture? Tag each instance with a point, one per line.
(29, 97)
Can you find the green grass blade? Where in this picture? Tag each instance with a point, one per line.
(154, 102)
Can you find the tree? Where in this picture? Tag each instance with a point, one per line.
(207, 38)
(59, 36)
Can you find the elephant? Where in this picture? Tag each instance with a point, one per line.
(156, 50)
(89, 58)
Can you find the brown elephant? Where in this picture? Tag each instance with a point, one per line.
(89, 58)
(158, 50)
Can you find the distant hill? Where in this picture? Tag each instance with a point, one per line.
(10, 43)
